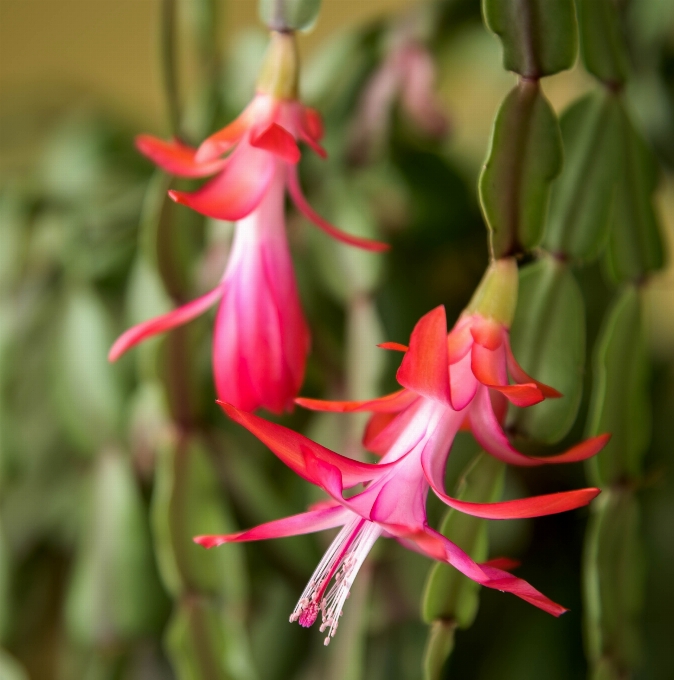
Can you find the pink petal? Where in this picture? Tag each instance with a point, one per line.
(537, 506)
(295, 449)
(303, 206)
(459, 341)
(394, 346)
(425, 367)
(436, 546)
(519, 376)
(304, 523)
(223, 140)
(175, 157)
(463, 384)
(237, 190)
(377, 423)
(311, 130)
(160, 324)
(279, 141)
(490, 436)
(391, 403)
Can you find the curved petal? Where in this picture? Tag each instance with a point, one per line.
(223, 140)
(377, 423)
(436, 546)
(295, 525)
(425, 366)
(279, 141)
(536, 506)
(303, 206)
(462, 383)
(487, 332)
(519, 376)
(237, 190)
(490, 436)
(459, 340)
(176, 158)
(160, 324)
(391, 403)
(301, 454)
(311, 130)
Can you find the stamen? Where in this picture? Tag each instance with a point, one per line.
(342, 561)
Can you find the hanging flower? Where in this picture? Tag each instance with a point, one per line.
(261, 339)
(413, 430)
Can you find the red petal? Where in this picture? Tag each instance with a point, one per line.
(303, 206)
(394, 346)
(304, 523)
(160, 324)
(519, 376)
(295, 450)
(313, 124)
(425, 367)
(391, 403)
(375, 426)
(175, 157)
(279, 141)
(459, 341)
(436, 546)
(504, 563)
(223, 140)
(463, 384)
(489, 435)
(488, 366)
(487, 332)
(520, 395)
(237, 190)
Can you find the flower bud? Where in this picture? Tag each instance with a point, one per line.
(280, 70)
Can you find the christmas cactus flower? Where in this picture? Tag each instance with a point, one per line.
(413, 430)
(261, 339)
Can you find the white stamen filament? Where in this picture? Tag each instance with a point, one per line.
(342, 560)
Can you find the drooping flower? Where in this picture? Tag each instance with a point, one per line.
(406, 76)
(261, 339)
(413, 430)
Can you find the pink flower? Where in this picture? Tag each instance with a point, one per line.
(261, 339)
(449, 382)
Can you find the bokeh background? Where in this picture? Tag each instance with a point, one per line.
(94, 582)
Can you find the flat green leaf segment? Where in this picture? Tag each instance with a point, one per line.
(524, 157)
(602, 45)
(114, 592)
(635, 245)
(451, 599)
(283, 15)
(580, 205)
(614, 575)
(620, 402)
(539, 37)
(548, 339)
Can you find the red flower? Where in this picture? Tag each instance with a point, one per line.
(448, 382)
(261, 339)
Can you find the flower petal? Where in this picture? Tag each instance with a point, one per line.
(377, 423)
(536, 506)
(463, 384)
(394, 346)
(436, 546)
(519, 376)
(279, 141)
(160, 324)
(223, 140)
(176, 158)
(391, 403)
(297, 452)
(425, 367)
(295, 525)
(303, 206)
(490, 436)
(487, 332)
(237, 190)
